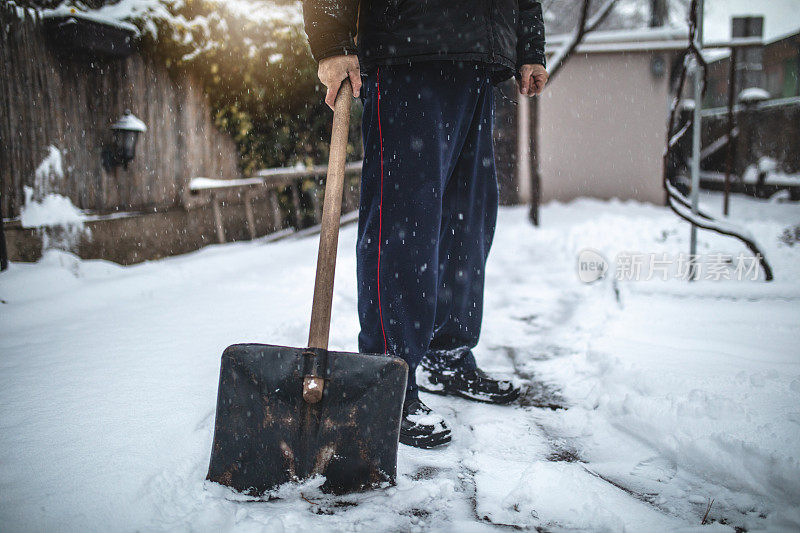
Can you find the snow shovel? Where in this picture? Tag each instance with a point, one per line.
(286, 414)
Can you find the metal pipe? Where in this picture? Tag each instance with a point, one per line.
(731, 145)
(696, 132)
(3, 247)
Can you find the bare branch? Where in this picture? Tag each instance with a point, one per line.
(569, 47)
(708, 510)
(585, 25)
(600, 16)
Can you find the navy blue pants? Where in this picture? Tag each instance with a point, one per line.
(428, 211)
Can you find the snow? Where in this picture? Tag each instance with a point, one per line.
(684, 209)
(767, 164)
(711, 55)
(51, 167)
(677, 393)
(199, 184)
(429, 419)
(59, 221)
(626, 40)
(118, 14)
(753, 94)
(42, 207)
(52, 210)
(100, 16)
(624, 36)
(129, 122)
(773, 175)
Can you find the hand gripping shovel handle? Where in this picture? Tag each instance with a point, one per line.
(329, 237)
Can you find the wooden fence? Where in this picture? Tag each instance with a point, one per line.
(52, 97)
(767, 129)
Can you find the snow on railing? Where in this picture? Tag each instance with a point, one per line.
(715, 146)
(303, 172)
(681, 206)
(207, 184)
(266, 179)
(764, 104)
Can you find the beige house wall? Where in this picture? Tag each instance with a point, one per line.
(602, 128)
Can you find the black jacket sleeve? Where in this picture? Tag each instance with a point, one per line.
(330, 26)
(530, 34)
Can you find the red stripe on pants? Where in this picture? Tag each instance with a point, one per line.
(380, 216)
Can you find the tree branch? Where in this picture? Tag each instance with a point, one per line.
(585, 25)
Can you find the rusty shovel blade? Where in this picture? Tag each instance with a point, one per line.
(266, 433)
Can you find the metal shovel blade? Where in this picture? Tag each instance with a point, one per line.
(266, 433)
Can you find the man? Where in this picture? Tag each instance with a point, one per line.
(428, 186)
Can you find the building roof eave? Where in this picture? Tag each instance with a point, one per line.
(642, 46)
(664, 33)
(637, 40)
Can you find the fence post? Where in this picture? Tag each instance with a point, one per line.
(248, 211)
(3, 248)
(218, 218)
(277, 216)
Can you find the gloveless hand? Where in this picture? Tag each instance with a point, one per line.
(532, 79)
(333, 70)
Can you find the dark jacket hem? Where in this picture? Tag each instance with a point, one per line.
(503, 67)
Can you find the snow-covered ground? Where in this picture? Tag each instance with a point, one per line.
(676, 393)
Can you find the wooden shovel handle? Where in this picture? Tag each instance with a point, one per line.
(331, 213)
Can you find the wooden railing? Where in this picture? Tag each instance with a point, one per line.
(269, 181)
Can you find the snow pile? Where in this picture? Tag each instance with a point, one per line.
(643, 401)
(767, 164)
(60, 221)
(773, 175)
(52, 210)
(50, 169)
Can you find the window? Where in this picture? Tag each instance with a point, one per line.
(791, 77)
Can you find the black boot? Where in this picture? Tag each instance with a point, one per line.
(421, 427)
(470, 384)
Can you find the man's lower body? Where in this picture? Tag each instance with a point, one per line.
(427, 217)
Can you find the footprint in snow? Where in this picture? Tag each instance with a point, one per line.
(656, 468)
